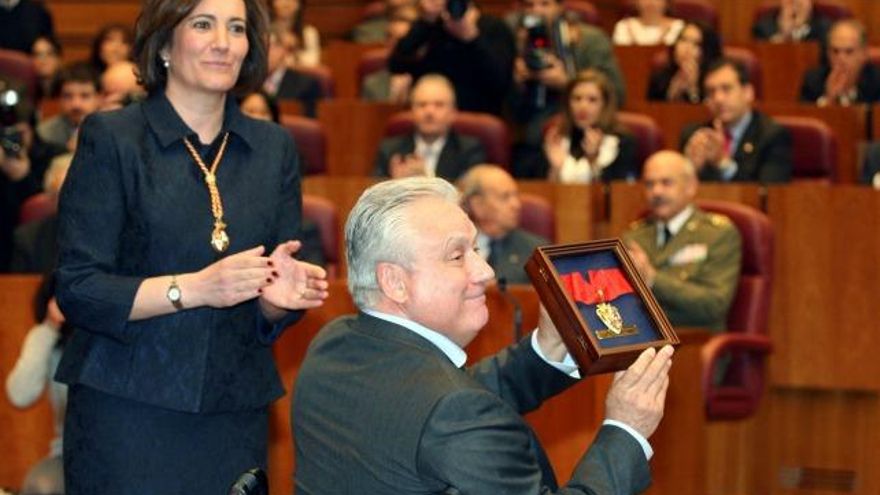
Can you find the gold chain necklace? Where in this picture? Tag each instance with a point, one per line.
(219, 239)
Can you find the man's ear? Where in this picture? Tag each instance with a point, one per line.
(392, 281)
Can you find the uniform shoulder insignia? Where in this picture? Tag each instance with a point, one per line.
(719, 220)
(637, 224)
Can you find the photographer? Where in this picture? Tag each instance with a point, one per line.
(552, 49)
(23, 161)
(474, 51)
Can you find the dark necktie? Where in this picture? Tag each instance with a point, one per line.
(494, 252)
(665, 235)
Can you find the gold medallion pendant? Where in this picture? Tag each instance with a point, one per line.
(610, 316)
(219, 237)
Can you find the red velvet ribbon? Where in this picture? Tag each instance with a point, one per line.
(611, 281)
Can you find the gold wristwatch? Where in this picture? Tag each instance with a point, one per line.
(174, 294)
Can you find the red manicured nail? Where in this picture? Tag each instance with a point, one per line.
(270, 263)
(275, 274)
(260, 291)
(269, 280)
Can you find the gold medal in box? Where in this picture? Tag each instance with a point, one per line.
(603, 310)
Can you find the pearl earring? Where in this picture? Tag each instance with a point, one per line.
(166, 63)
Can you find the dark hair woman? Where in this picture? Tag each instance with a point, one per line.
(176, 263)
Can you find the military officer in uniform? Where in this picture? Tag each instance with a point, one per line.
(690, 258)
(491, 198)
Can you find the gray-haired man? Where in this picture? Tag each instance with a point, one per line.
(382, 405)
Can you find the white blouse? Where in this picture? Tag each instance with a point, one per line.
(631, 31)
(580, 170)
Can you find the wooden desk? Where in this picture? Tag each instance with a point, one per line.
(783, 67)
(824, 309)
(343, 57)
(354, 130)
(25, 434)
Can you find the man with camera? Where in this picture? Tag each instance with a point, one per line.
(23, 161)
(553, 47)
(474, 51)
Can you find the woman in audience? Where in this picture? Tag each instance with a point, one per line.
(33, 373)
(681, 78)
(650, 27)
(588, 143)
(305, 44)
(111, 45)
(46, 54)
(177, 228)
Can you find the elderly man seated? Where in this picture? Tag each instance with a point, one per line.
(491, 198)
(689, 258)
(434, 148)
(382, 403)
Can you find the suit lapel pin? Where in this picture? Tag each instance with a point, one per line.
(748, 147)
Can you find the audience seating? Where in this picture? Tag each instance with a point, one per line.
(324, 76)
(371, 61)
(311, 142)
(323, 213)
(372, 10)
(814, 148)
(18, 66)
(490, 130)
(536, 216)
(649, 135)
(691, 10)
(737, 395)
(36, 207)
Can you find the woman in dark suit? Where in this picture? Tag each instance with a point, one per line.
(176, 268)
(588, 143)
(681, 78)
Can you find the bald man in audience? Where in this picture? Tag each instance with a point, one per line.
(119, 85)
(848, 77)
(689, 258)
(434, 149)
(491, 198)
(739, 143)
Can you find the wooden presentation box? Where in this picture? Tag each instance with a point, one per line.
(602, 308)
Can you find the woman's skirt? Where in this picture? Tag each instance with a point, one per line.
(119, 446)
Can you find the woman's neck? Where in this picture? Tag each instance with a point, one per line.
(202, 112)
(653, 19)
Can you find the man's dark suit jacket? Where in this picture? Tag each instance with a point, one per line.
(762, 155)
(868, 89)
(459, 154)
(301, 87)
(35, 249)
(378, 409)
(767, 26)
(508, 255)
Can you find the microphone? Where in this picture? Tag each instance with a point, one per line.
(517, 309)
(252, 482)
